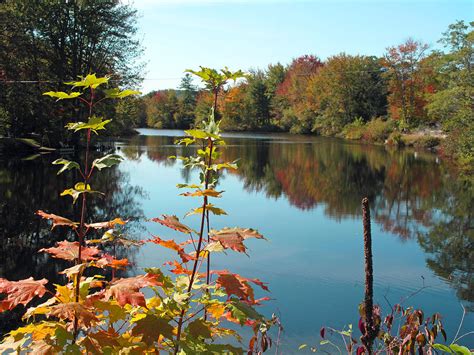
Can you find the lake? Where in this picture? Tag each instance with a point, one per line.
(304, 195)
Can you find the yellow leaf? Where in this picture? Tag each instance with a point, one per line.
(216, 310)
(64, 294)
(153, 302)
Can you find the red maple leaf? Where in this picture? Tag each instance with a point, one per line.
(171, 244)
(127, 291)
(57, 220)
(173, 223)
(70, 251)
(20, 292)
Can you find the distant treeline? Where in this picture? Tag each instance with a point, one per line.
(358, 97)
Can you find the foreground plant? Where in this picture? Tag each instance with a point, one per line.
(187, 308)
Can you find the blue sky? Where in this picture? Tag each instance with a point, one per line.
(244, 34)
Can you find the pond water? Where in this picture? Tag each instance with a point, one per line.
(304, 195)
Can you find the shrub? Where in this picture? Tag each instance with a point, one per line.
(354, 130)
(395, 138)
(377, 130)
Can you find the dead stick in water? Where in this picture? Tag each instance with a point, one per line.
(370, 330)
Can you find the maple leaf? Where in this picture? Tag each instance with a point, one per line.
(206, 192)
(20, 292)
(216, 310)
(233, 238)
(173, 223)
(74, 270)
(199, 328)
(237, 285)
(171, 244)
(209, 207)
(110, 237)
(41, 348)
(57, 220)
(108, 224)
(110, 261)
(245, 233)
(94, 342)
(151, 327)
(127, 291)
(70, 251)
(241, 312)
(178, 268)
(71, 310)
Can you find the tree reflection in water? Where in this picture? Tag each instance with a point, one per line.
(414, 194)
(28, 185)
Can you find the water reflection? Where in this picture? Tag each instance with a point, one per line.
(416, 199)
(414, 195)
(29, 185)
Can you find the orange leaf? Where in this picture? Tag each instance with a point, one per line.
(20, 292)
(70, 251)
(108, 224)
(233, 238)
(126, 291)
(178, 268)
(171, 244)
(207, 192)
(57, 220)
(110, 261)
(237, 285)
(173, 223)
(69, 311)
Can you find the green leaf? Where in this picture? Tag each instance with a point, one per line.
(95, 124)
(302, 346)
(242, 311)
(216, 167)
(117, 94)
(78, 189)
(218, 349)
(107, 161)
(322, 342)
(62, 95)
(62, 336)
(150, 327)
(89, 81)
(67, 165)
(459, 349)
(442, 348)
(199, 328)
(197, 133)
(188, 186)
(210, 207)
(115, 312)
(187, 141)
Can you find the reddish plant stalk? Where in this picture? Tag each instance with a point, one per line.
(198, 250)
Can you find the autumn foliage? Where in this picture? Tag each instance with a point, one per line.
(184, 309)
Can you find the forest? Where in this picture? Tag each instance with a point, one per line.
(410, 96)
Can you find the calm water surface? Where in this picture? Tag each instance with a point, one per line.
(303, 194)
